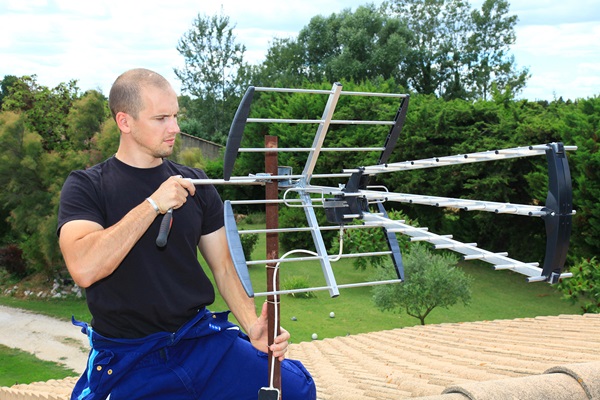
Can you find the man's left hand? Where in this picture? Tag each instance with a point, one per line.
(258, 334)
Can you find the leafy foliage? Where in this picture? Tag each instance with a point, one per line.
(297, 282)
(432, 280)
(462, 54)
(85, 119)
(440, 47)
(584, 286)
(295, 217)
(11, 259)
(214, 74)
(579, 124)
(192, 158)
(249, 242)
(5, 84)
(364, 45)
(32, 177)
(366, 240)
(45, 109)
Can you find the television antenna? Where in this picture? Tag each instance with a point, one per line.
(353, 199)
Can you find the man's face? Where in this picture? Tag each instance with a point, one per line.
(155, 128)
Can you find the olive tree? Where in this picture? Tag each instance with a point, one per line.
(431, 280)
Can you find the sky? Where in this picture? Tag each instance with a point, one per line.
(94, 41)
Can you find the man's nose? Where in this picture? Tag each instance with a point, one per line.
(174, 126)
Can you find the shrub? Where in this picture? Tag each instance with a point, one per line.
(366, 240)
(297, 282)
(11, 258)
(584, 286)
(295, 217)
(255, 218)
(249, 241)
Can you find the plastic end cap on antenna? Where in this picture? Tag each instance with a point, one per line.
(236, 250)
(234, 139)
(559, 200)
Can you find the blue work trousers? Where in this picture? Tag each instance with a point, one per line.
(208, 358)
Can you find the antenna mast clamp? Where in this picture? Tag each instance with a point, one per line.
(342, 208)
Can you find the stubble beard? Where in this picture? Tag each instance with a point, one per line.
(163, 153)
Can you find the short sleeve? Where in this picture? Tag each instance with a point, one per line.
(80, 199)
(214, 211)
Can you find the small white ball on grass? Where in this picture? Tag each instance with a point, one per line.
(332, 315)
(314, 336)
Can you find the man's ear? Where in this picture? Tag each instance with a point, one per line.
(123, 120)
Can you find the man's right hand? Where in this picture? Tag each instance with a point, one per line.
(173, 193)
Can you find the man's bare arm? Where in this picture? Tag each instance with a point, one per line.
(215, 250)
(93, 253)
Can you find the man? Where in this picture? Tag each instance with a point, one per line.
(151, 334)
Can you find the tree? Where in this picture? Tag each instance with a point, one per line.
(359, 46)
(45, 109)
(5, 84)
(31, 179)
(579, 124)
(85, 119)
(437, 28)
(432, 280)
(457, 52)
(284, 64)
(33, 168)
(371, 45)
(440, 47)
(215, 74)
(488, 45)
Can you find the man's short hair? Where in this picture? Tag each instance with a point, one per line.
(126, 92)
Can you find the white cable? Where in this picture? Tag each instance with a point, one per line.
(276, 308)
(341, 240)
(276, 296)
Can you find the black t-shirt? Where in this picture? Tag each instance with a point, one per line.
(154, 289)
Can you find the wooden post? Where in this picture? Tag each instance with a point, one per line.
(272, 222)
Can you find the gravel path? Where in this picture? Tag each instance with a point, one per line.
(47, 338)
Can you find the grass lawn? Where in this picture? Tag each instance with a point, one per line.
(58, 308)
(496, 295)
(20, 367)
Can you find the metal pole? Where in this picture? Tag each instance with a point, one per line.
(272, 222)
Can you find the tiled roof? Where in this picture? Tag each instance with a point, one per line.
(50, 390)
(554, 357)
(425, 360)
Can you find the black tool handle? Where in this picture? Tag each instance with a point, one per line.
(165, 228)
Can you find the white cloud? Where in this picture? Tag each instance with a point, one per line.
(93, 42)
(559, 58)
(551, 12)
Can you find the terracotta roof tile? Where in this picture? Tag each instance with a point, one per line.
(526, 358)
(424, 360)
